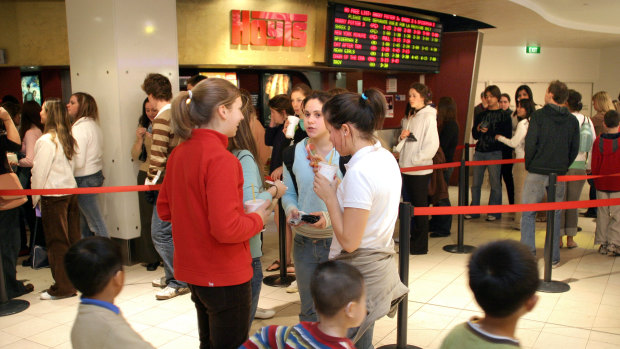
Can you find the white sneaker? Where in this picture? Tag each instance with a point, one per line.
(264, 313)
(491, 218)
(161, 282)
(48, 297)
(170, 292)
(292, 288)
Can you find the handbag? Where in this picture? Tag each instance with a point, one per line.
(9, 181)
(38, 259)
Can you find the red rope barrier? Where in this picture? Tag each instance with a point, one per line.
(90, 190)
(544, 206)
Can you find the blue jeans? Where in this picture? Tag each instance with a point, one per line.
(534, 189)
(256, 282)
(91, 220)
(308, 253)
(495, 180)
(365, 342)
(161, 232)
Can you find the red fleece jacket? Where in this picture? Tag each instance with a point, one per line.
(202, 195)
(606, 160)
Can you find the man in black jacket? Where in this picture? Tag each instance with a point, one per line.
(490, 122)
(551, 145)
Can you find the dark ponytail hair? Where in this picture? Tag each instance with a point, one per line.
(366, 112)
(574, 101)
(206, 97)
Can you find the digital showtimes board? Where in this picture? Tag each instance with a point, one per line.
(367, 38)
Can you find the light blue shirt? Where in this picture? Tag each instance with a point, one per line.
(251, 176)
(306, 200)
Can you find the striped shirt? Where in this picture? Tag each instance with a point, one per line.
(303, 335)
(163, 143)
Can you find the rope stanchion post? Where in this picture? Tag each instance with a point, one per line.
(12, 306)
(548, 285)
(405, 213)
(460, 246)
(466, 189)
(281, 279)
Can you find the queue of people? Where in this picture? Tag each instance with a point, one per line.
(340, 189)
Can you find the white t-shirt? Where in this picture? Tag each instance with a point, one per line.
(372, 182)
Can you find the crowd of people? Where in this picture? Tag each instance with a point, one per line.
(339, 186)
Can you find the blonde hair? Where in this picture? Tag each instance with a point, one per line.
(244, 139)
(603, 101)
(190, 112)
(59, 125)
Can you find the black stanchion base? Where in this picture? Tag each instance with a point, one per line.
(553, 286)
(459, 249)
(395, 346)
(277, 281)
(13, 306)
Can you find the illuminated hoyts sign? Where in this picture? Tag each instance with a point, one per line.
(260, 28)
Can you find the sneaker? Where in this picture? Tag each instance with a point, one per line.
(170, 292)
(491, 218)
(161, 282)
(292, 288)
(613, 250)
(264, 313)
(602, 249)
(48, 297)
(468, 216)
(555, 264)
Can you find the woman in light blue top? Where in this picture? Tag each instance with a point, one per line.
(312, 241)
(243, 146)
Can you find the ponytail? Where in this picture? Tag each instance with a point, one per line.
(366, 111)
(180, 122)
(196, 107)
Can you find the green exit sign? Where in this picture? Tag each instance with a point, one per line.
(532, 49)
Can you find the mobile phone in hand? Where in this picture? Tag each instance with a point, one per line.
(308, 218)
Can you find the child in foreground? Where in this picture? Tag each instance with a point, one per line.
(503, 276)
(94, 266)
(339, 298)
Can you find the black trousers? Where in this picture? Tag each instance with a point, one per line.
(222, 314)
(9, 247)
(507, 177)
(417, 192)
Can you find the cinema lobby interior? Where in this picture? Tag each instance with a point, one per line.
(457, 48)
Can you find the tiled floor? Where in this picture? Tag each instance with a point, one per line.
(588, 316)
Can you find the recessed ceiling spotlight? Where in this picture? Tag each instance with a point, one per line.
(454, 14)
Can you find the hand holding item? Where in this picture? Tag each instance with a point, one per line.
(404, 134)
(140, 132)
(294, 217)
(280, 188)
(325, 188)
(263, 210)
(320, 224)
(277, 173)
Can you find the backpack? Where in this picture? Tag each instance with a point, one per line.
(586, 136)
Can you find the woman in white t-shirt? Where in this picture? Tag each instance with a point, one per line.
(364, 207)
(525, 108)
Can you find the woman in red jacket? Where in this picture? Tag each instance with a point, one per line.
(202, 195)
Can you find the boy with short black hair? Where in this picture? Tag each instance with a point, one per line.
(606, 160)
(94, 266)
(339, 298)
(503, 276)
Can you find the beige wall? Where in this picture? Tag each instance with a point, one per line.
(34, 32)
(609, 72)
(204, 29)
